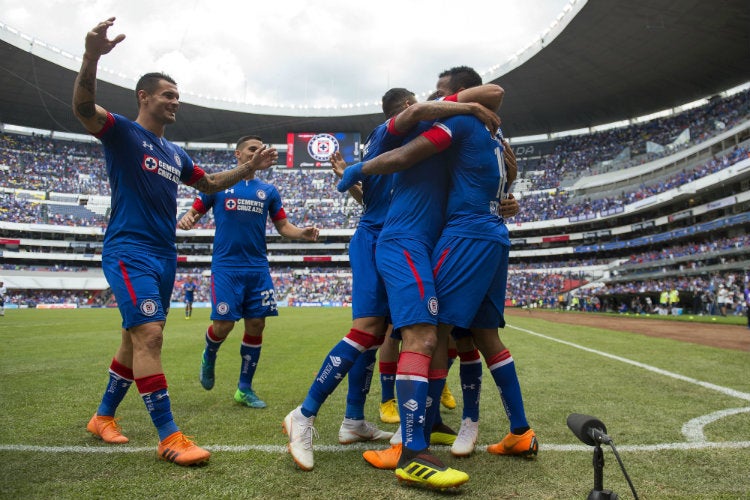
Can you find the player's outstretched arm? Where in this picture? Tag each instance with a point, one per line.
(264, 158)
(90, 114)
(411, 153)
(488, 95)
(289, 230)
(435, 110)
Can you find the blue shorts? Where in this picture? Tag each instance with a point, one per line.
(142, 284)
(369, 299)
(470, 278)
(405, 267)
(238, 294)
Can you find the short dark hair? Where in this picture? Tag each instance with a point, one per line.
(246, 138)
(462, 77)
(150, 82)
(393, 100)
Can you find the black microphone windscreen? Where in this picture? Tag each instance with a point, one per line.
(581, 425)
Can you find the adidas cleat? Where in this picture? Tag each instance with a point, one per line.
(179, 449)
(207, 373)
(442, 434)
(427, 471)
(248, 398)
(107, 429)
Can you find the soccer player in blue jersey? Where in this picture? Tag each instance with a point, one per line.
(470, 260)
(140, 256)
(188, 289)
(241, 284)
(413, 224)
(355, 351)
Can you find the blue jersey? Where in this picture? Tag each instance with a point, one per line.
(189, 289)
(478, 179)
(241, 213)
(417, 208)
(143, 172)
(376, 189)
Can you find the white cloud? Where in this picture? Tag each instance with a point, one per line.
(301, 52)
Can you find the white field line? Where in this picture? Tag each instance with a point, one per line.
(693, 430)
(358, 447)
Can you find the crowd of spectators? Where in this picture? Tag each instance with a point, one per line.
(689, 249)
(717, 294)
(559, 204)
(42, 164)
(595, 153)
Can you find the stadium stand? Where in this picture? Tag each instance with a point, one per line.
(611, 216)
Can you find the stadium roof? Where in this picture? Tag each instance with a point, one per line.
(613, 61)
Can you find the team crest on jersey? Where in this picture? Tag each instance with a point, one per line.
(230, 204)
(177, 160)
(150, 163)
(148, 307)
(260, 194)
(432, 305)
(222, 308)
(322, 146)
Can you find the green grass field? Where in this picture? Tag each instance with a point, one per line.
(679, 415)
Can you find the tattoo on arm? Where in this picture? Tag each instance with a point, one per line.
(87, 109)
(212, 183)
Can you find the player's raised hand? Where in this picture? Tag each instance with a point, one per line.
(264, 158)
(97, 43)
(487, 116)
(338, 165)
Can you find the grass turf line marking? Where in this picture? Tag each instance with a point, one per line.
(723, 390)
(726, 445)
(693, 429)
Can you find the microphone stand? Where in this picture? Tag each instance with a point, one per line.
(599, 493)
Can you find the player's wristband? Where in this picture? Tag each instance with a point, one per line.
(352, 175)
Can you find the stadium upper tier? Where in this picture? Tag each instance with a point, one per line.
(602, 61)
(66, 182)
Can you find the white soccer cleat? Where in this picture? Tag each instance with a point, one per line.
(396, 438)
(300, 430)
(352, 431)
(466, 440)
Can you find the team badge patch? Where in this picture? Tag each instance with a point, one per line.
(177, 160)
(260, 194)
(322, 146)
(150, 163)
(222, 308)
(148, 307)
(432, 306)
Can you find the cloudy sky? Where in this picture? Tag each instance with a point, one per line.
(293, 52)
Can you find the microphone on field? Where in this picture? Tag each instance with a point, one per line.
(588, 429)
